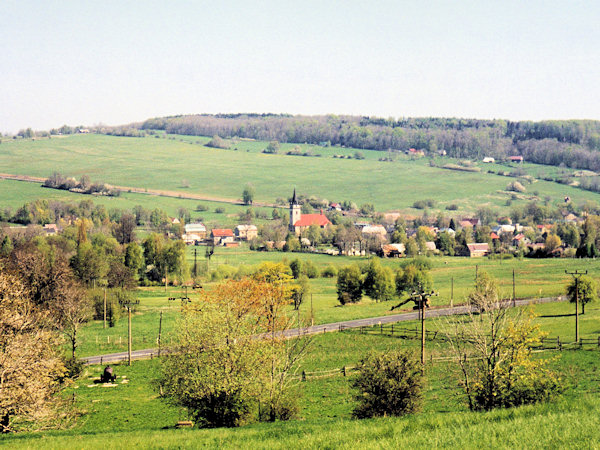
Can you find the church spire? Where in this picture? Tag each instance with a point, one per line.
(294, 201)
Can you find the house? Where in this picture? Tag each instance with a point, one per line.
(517, 159)
(415, 152)
(501, 229)
(488, 159)
(198, 229)
(478, 249)
(174, 221)
(516, 241)
(301, 222)
(468, 222)
(246, 232)
(192, 238)
(51, 228)
(392, 250)
(335, 207)
(221, 236)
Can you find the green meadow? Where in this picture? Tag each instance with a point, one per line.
(174, 162)
(131, 413)
(534, 278)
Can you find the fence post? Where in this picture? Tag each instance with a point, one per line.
(344, 370)
(151, 355)
(598, 341)
(303, 375)
(380, 328)
(392, 329)
(101, 360)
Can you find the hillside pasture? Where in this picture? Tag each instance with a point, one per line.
(164, 163)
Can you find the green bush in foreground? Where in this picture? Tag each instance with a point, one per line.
(389, 384)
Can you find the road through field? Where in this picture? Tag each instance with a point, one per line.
(328, 328)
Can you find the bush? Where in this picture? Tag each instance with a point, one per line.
(389, 384)
(452, 207)
(329, 272)
(309, 269)
(515, 186)
(201, 207)
(219, 210)
(74, 367)
(423, 204)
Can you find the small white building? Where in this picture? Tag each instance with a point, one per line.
(489, 159)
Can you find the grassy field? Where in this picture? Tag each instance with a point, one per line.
(534, 278)
(165, 164)
(131, 414)
(16, 193)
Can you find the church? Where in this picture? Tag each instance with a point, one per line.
(299, 222)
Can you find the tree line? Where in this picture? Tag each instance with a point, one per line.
(572, 142)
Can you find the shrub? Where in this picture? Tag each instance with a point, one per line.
(389, 384)
(309, 269)
(515, 186)
(329, 272)
(452, 207)
(219, 210)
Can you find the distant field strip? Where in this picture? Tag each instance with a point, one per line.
(160, 193)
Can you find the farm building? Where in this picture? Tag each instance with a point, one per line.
(246, 232)
(517, 159)
(488, 159)
(478, 249)
(374, 230)
(392, 250)
(196, 228)
(221, 236)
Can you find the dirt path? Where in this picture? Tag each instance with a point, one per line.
(156, 192)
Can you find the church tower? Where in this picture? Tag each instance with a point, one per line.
(295, 212)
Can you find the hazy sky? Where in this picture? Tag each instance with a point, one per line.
(114, 62)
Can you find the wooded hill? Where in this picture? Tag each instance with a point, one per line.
(574, 143)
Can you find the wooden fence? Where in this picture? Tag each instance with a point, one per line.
(547, 343)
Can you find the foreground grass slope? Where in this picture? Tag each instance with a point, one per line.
(131, 414)
(169, 164)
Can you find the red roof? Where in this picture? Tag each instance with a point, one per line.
(306, 220)
(222, 232)
(494, 235)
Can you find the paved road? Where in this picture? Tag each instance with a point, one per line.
(326, 328)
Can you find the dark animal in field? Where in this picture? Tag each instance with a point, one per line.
(108, 375)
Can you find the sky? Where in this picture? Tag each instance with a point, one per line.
(116, 62)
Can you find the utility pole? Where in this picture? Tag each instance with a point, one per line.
(476, 274)
(576, 275)
(195, 262)
(159, 332)
(128, 304)
(514, 290)
(104, 308)
(452, 292)
(312, 314)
